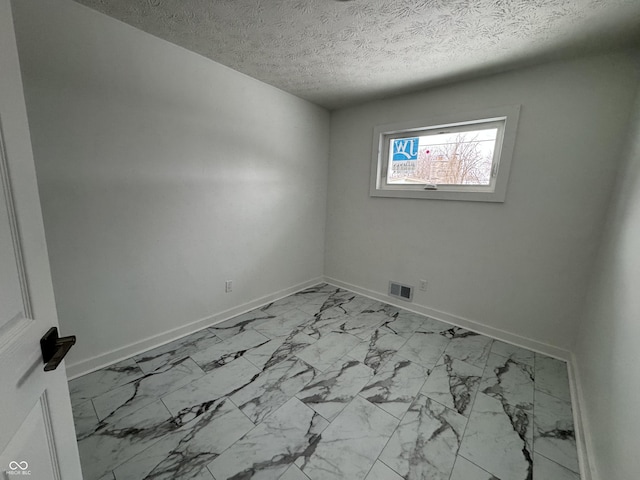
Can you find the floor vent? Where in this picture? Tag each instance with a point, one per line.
(403, 292)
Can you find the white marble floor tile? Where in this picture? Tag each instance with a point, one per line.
(313, 306)
(337, 298)
(376, 350)
(509, 381)
(431, 325)
(465, 470)
(268, 450)
(498, 439)
(324, 323)
(545, 469)
(284, 324)
(283, 305)
(293, 473)
(101, 381)
(381, 472)
(356, 305)
(278, 349)
(317, 290)
(113, 444)
(315, 297)
(201, 395)
(554, 435)
(328, 350)
(176, 350)
(454, 384)
(128, 398)
(470, 347)
(200, 474)
(552, 377)
(272, 388)
(385, 309)
(185, 453)
(348, 448)
(224, 352)
(395, 386)
(424, 348)
(362, 325)
(321, 288)
(334, 389)
(425, 444)
(404, 323)
(240, 324)
(85, 418)
(517, 354)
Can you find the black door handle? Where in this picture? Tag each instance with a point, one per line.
(54, 348)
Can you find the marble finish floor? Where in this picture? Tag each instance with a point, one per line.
(327, 384)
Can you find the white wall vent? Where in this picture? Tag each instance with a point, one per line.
(403, 292)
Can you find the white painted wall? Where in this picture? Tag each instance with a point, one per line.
(162, 174)
(521, 266)
(608, 353)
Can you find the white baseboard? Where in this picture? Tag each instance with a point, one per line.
(456, 321)
(99, 361)
(581, 424)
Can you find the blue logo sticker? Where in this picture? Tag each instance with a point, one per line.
(405, 149)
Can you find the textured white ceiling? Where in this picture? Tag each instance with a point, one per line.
(336, 53)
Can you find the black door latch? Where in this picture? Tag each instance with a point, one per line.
(54, 348)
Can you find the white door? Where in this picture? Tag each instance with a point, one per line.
(37, 436)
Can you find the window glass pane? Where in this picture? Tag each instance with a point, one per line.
(456, 158)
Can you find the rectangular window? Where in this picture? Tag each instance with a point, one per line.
(448, 159)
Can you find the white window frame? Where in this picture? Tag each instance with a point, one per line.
(505, 143)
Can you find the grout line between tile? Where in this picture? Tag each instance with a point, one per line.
(388, 439)
(559, 464)
(466, 425)
(488, 473)
(554, 396)
(378, 459)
